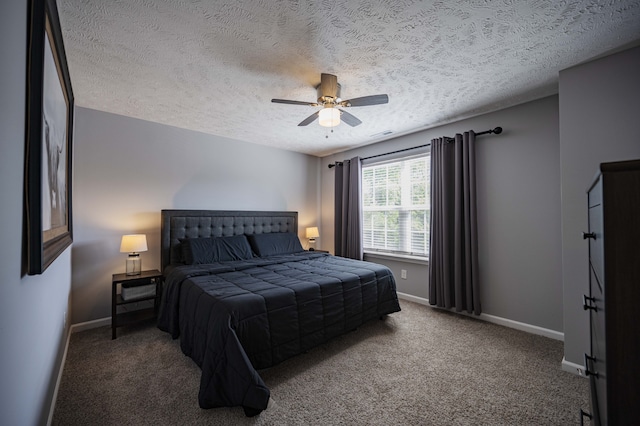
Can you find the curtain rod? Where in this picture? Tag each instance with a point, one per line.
(497, 131)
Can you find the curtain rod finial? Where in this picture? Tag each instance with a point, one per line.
(497, 130)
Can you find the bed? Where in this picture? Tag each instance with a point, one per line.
(242, 295)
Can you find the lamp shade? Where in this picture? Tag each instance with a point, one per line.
(329, 117)
(312, 232)
(134, 243)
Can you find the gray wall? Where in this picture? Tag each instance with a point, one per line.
(518, 186)
(599, 112)
(32, 308)
(127, 170)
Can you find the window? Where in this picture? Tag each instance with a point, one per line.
(395, 204)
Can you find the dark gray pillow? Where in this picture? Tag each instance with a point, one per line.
(276, 243)
(196, 251)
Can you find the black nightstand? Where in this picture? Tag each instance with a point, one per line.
(119, 319)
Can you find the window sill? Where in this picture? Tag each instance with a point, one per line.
(397, 257)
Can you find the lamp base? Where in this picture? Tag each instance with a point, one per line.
(312, 244)
(134, 264)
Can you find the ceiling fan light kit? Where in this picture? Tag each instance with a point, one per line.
(329, 100)
(329, 117)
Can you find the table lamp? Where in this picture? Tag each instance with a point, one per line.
(312, 234)
(133, 244)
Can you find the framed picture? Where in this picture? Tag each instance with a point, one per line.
(49, 134)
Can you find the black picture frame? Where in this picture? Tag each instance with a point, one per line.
(49, 140)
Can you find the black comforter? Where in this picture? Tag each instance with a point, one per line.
(234, 318)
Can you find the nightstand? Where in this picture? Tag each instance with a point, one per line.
(146, 278)
(320, 251)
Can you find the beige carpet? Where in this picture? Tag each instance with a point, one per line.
(421, 366)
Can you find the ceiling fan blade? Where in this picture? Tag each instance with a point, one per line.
(329, 85)
(310, 119)
(285, 101)
(349, 119)
(366, 100)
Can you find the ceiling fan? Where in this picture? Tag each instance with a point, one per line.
(329, 100)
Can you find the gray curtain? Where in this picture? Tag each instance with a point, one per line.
(348, 211)
(453, 246)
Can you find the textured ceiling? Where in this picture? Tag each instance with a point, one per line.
(214, 66)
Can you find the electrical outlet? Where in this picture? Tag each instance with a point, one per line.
(403, 274)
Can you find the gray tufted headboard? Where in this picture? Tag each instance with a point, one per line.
(178, 224)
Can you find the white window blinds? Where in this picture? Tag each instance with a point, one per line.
(395, 202)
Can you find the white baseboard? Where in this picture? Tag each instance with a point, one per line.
(58, 379)
(572, 367)
(529, 328)
(534, 329)
(412, 298)
(88, 325)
